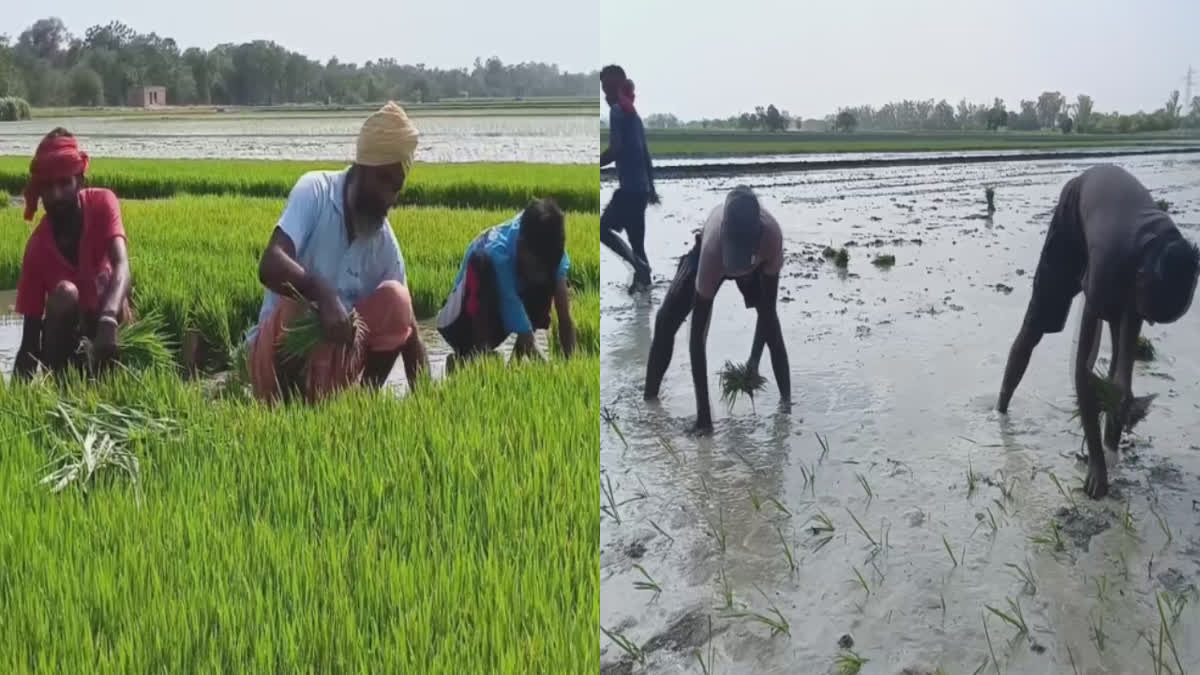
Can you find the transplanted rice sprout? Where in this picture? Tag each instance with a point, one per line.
(740, 379)
(884, 261)
(1145, 349)
(143, 343)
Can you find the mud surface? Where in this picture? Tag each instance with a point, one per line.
(549, 139)
(935, 500)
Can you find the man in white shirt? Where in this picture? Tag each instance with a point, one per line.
(333, 244)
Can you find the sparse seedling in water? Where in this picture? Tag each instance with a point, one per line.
(634, 651)
(829, 252)
(1096, 629)
(842, 261)
(810, 477)
(874, 544)
(1013, 617)
(1162, 524)
(824, 442)
(707, 668)
(611, 508)
(972, 479)
(726, 591)
(780, 507)
(949, 551)
(718, 530)
(1025, 574)
(777, 623)
(862, 582)
(862, 480)
(884, 261)
(1069, 497)
(1164, 631)
(1054, 539)
(649, 584)
(787, 551)
(610, 418)
(662, 532)
(1163, 205)
(850, 663)
(739, 379)
(669, 448)
(991, 650)
(989, 194)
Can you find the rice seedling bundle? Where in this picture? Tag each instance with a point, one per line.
(304, 333)
(479, 185)
(737, 379)
(142, 343)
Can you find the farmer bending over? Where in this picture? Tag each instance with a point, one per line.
(334, 245)
(627, 147)
(740, 241)
(505, 285)
(75, 277)
(1108, 239)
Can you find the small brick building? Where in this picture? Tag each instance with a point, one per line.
(146, 97)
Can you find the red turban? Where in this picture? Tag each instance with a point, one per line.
(56, 158)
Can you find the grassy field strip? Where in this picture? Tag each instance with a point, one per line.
(698, 143)
(469, 185)
(195, 259)
(371, 534)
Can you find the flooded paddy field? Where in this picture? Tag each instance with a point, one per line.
(562, 139)
(879, 522)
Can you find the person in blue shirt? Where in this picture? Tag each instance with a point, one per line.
(627, 148)
(509, 277)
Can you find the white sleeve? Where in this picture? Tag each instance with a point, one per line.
(300, 213)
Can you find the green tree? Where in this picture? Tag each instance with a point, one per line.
(1047, 109)
(1083, 113)
(846, 122)
(1172, 108)
(85, 86)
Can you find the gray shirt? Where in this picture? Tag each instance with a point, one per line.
(1117, 217)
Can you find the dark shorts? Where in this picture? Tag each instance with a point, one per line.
(1060, 269)
(477, 295)
(625, 210)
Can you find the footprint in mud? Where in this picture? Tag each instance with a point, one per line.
(1080, 526)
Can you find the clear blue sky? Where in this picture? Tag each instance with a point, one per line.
(713, 58)
(426, 31)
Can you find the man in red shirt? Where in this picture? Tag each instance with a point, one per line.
(75, 274)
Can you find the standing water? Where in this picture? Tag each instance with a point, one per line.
(890, 519)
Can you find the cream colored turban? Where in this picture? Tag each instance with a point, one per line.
(387, 137)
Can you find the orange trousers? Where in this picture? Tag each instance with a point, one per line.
(388, 313)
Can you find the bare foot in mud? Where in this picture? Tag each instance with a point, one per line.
(1096, 485)
(700, 429)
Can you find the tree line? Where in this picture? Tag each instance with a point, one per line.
(1049, 111)
(49, 66)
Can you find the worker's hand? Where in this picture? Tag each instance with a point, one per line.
(104, 347)
(335, 321)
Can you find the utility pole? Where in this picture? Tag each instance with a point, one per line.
(1187, 98)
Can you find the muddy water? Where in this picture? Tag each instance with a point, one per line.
(898, 371)
(547, 139)
(435, 346)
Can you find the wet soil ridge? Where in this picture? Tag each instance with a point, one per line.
(731, 169)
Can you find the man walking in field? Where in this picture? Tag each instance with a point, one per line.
(627, 148)
(333, 246)
(740, 241)
(75, 276)
(507, 280)
(1108, 239)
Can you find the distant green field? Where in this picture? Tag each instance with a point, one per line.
(548, 106)
(472, 185)
(702, 143)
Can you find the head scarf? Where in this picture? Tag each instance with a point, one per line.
(56, 158)
(387, 137)
(625, 97)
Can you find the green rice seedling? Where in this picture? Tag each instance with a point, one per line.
(972, 479)
(726, 590)
(843, 259)
(95, 452)
(1071, 656)
(708, 668)
(884, 261)
(739, 379)
(824, 442)
(1145, 349)
(861, 581)
(669, 448)
(1096, 630)
(809, 474)
(1162, 525)
(953, 558)
(1128, 523)
(141, 344)
(304, 334)
(775, 621)
(1067, 495)
(717, 529)
(610, 418)
(850, 663)
(978, 669)
(662, 531)
(829, 253)
(823, 523)
(874, 544)
(989, 194)
(787, 551)
(648, 584)
(1054, 539)
(611, 509)
(1107, 396)
(1025, 574)
(3, 199)
(1000, 505)
(862, 480)
(1164, 631)
(1014, 617)
(1006, 487)
(754, 500)
(1163, 205)
(628, 646)
(991, 650)
(780, 507)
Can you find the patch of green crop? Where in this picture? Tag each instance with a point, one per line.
(195, 261)
(459, 185)
(451, 531)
